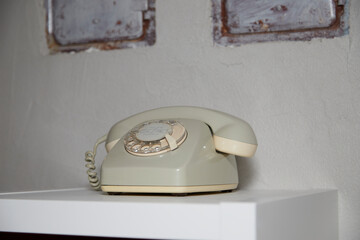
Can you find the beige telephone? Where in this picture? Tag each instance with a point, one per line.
(174, 150)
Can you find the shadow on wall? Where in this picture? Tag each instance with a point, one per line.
(246, 171)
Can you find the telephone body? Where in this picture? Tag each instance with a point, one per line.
(176, 150)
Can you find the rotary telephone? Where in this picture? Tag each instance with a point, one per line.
(175, 150)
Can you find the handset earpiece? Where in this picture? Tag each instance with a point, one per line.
(225, 140)
(234, 147)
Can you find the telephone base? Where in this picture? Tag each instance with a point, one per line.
(169, 189)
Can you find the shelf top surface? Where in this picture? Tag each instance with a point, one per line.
(88, 195)
(234, 215)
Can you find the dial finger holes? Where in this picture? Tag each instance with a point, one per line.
(130, 144)
(145, 149)
(136, 148)
(156, 147)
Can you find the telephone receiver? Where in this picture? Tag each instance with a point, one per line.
(175, 150)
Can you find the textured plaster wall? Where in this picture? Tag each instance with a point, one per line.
(302, 99)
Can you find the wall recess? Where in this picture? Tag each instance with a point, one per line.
(237, 22)
(77, 25)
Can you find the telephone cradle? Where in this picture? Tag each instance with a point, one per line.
(172, 150)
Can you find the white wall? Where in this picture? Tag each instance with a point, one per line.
(302, 99)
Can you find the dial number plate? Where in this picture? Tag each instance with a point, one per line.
(153, 131)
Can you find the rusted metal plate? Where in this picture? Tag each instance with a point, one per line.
(244, 16)
(75, 25)
(241, 21)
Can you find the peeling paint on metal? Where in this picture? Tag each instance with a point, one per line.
(107, 24)
(236, 22)
(279, 15)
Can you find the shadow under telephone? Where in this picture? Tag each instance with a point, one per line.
(174, 150)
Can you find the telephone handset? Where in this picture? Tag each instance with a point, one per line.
(172, 150)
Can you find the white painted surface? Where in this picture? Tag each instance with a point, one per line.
(248, 215)
(301, 98)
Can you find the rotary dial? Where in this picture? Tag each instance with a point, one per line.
(154, 137)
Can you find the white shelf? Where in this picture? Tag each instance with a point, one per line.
(245, 215)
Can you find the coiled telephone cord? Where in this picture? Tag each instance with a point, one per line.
(94, 180)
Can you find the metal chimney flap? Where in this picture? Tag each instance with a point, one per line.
(279, 15)
(241, 21)
(75, 25)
